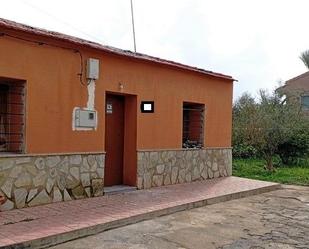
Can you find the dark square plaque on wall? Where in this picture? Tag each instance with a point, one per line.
(147, 107)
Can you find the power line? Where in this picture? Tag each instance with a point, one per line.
(40, 43)
(59, 20)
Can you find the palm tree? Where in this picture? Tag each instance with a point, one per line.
(304, 56)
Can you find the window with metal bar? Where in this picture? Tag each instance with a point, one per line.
(193, 125)
(12, 111)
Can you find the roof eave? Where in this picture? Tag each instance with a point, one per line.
(10, 25)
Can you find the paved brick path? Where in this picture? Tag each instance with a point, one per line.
(275, 220)
(54, 223)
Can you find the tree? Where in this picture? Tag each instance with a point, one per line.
(244, 110)
(275, 123)
(265, 124)
(304, 56)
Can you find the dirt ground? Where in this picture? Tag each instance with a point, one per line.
(278, 219)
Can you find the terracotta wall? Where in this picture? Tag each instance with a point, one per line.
(53, 90)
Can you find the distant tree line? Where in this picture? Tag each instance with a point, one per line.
(269, 128)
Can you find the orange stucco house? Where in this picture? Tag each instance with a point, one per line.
(77, 117)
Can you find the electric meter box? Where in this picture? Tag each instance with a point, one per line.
(85, 118)
(92, 69)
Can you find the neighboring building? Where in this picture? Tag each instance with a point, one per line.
(78, 117)
(297, 90)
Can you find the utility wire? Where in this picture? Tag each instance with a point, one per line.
(58, 19)
(40, 43)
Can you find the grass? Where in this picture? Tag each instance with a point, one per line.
(254, 169)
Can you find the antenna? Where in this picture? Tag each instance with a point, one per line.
(132, 14)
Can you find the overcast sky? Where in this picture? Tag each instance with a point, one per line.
(258, 42)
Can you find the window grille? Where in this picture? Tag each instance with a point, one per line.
(12, 103)
(193, 125)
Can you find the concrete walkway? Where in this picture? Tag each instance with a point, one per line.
(274, 220)
(43, 226)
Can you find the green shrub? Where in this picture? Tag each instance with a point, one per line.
(296, 147)
(244, 151)
(269, 128)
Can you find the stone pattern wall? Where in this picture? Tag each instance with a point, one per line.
(35, 180)
(158, 168)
